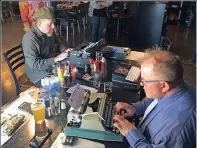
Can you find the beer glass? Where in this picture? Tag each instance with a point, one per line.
(38, 110)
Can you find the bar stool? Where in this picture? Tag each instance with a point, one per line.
(81, 15)
(6, 8)
(65, 21)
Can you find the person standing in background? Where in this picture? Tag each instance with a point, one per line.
(98, 17)
(27, 9)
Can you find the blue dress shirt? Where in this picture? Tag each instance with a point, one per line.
(171, 124)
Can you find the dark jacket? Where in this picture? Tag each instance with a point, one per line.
(39, 50)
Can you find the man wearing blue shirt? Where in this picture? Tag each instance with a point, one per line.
(169, 113)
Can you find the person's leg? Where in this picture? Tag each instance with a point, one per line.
(102, 21)
(93, 27)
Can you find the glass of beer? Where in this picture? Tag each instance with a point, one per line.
(38, 110)
(108, 89)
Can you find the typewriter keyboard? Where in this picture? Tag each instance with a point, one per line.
(108, 114)
(133, 74)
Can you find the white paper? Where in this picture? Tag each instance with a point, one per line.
(13, 109)
(81, 143)
(76, 97)
(71, 89)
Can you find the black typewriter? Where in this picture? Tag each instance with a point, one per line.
(122, 76)
(80, 55)
(108, 116)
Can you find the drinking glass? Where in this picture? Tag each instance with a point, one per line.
(60, 73)
(54, 69)
(38, 110)
(56, 104)
(96, 80)
(108, 89)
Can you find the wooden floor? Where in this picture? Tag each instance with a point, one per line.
(183, 41)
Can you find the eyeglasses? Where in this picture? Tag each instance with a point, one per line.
(150, 81)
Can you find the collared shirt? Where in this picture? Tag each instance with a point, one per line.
(39, 50)
(171, 124)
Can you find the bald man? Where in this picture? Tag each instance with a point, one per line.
(169, 113)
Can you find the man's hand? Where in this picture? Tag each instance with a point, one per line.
(123, 125)
(130, 109)
(68, 49)
(60, 57)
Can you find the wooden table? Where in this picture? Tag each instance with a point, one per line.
(22, 137)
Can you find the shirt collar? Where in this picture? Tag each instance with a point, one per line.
(167, 100)
(37, 31)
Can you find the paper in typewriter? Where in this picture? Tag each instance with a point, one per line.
(76, 97)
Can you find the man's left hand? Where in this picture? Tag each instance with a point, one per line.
(68, 49)
(123, 125)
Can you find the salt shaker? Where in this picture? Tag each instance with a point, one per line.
(63, 104)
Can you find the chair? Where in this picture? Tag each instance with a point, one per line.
(165, 43)
(82, 13)
(7, 8)
(65, 20)
(15, 59)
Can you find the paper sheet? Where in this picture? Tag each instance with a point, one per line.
(76, 97)
(79, 144)
(93, 90)
(13, 109)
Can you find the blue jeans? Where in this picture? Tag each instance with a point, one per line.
(96, 28)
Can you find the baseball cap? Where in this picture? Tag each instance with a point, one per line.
(43, 13)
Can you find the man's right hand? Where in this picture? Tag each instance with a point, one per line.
(130, 109)
(60, 57)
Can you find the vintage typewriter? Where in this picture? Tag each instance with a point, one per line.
(95, 113)
(127, 76)
(80, 55)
